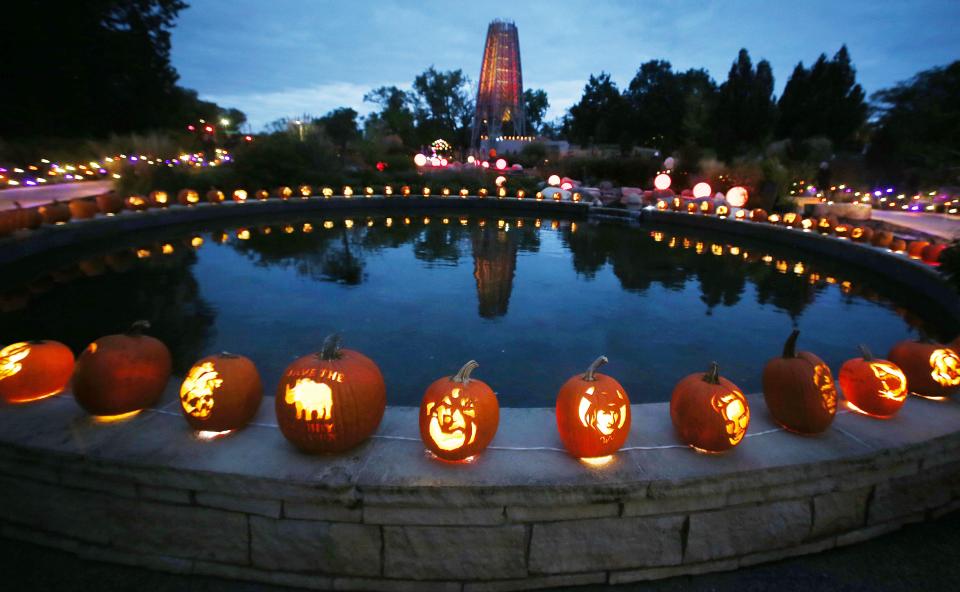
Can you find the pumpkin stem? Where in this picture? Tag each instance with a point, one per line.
(713, 374)
(463, 376)
(790, 347)
(331, 347)
(138, 327)
(228, 355)
(591, 370)
(865, 352)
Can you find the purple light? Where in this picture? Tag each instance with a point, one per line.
(102, 171)
(31, 182)
(889, 189)
(133, 159)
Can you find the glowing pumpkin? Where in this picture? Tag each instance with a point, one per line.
(220, 393)
(931, 254)
(791, 219)
(239, 195)
(826, 225)
(34, 370)
(799, 390)
(137, 203)
(593, 413)
(915, 248)
(881, 238)
(898, 245)
(262, 194)
(932, 369)
(841, 231)
(188, 197)
(709, 412)
(215, 196)
(330, 401)
(862, 234)
(159, 199)
(871, 386)
(283, 192)
(758, 215)
(706, 207)
(459, 415)
(722, 211)
(121, 374)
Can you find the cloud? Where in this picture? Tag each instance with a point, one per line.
(263, 107)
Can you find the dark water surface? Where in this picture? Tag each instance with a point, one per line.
(534, 301)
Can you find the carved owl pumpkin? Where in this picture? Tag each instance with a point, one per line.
(709, 412)
(330, 401)
(121, 374)
(459, 415)
(593, 413)
(33, 370)
(221, 392)
(871, 386)
(932, 369)
(799, 390)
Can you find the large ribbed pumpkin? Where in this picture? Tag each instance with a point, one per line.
(758, 215)
(109, 202)
(221, 392)
(881, 238)
(593, 413)
(799, 390)
(459, 415)
(871, 386)
(32, 370)
(55, 213)
(932, 369)
(709, 413)
(81, 209)
(330, 401)
(121, 374)
(915, 248)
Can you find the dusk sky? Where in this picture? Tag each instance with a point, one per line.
(290, 57)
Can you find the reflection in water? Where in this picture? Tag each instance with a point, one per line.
(402, 285)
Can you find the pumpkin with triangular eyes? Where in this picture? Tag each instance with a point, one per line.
(593, 413)
(459, 415)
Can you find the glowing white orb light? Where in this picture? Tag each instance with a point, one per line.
(737, 197)
(500, 180)
(702, 189)
(501, 164)
(471, 159)
(553, 180)
(662, 181)
(420, 160)
(566, 185)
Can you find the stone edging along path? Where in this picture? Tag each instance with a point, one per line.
(524, 514)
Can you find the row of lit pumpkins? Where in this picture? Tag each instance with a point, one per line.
(830, 225)
(60, 212)
(333, 400)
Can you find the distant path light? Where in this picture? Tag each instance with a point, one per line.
(702, 189)
(662, 181)
(737, 196)
(420, 160)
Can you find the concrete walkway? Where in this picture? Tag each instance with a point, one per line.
(38, 196)
(940, 225)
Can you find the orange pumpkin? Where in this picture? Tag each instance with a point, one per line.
(709, 412)
(841, 231)
(330, 401)
(283, 192)
(915, 248)
(593, 413)
(792, 219)
(881, 238)
(262, 194)
(932, 369)
(137, 203)
(81, 209)
(758, 215)
(459, 415)
(109, 202)
(862, 234)
(799, 390)
(898, 245)
(871, 386)
(239, 195)
(215, 196)
(931, 254)
(188, 197)
(121, 374)
(221, 392)
(706, 207)
(159, 199)
(54, 213)
(826, 224)
(33, 370)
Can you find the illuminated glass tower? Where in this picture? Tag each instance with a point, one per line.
(500, 92)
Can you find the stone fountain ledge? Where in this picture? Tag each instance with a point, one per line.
(523, 515)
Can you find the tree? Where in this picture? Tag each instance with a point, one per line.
(745, 115)
(535, 105)
(823, 101)
(442, 106)
(600, 115)
(395, 116)
(340, 126)
(917, 128)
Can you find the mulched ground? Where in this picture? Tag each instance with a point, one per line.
(921, 557)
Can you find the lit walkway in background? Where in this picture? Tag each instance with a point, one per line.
(939, 225)
(38, 196)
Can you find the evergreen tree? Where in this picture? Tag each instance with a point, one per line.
(745, 115)
(599, 116)
(535, 105)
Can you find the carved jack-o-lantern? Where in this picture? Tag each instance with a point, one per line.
(221, 392)
(188, 197)
(861, 234)
(871, 386)
(593, 413)
(330, 401)
(709, 412)
(758, 215)
(33, 370)
(459, 415)
(799, 390)
(121, 374)
(932, 369)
